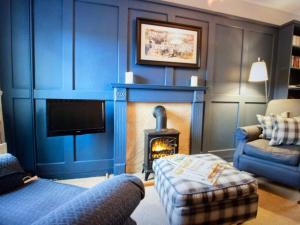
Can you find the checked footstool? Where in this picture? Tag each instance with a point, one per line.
(231, 200)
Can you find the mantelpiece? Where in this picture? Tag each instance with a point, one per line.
(124, 93)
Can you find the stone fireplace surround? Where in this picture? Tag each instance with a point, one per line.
(125, 94)
(140, 118)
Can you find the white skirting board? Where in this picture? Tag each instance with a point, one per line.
(3, 148)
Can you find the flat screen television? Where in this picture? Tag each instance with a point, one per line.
(73, 117)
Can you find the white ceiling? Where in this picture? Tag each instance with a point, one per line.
(271, 11)
(289, 6)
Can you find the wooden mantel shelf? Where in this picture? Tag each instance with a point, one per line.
(158, 87)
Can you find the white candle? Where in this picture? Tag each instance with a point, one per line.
(194, 81)
(129, 78)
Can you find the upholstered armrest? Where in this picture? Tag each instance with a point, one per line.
(110, 202)
(11, 173)
(242, 136)
(248, 133)
(9, 165)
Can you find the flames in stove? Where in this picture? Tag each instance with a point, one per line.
(161, 147)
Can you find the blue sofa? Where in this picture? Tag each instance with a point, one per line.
(278, 163)
(43, 202)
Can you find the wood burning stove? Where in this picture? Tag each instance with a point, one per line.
(159, 142)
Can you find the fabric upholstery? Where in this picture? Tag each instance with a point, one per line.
(266, 123)
(111, 202)
(187, 202)
(248, 133)
(284, 174)
(130, 221)
(277, 171)
(9, 165)
(11, 173)
(36, 199)
(278, 106)
(286, 154)
(45, 202)
(286, 131)
(184, 192)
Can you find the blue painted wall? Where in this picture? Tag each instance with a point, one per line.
(76, 49)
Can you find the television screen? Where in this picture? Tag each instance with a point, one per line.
(71, 117)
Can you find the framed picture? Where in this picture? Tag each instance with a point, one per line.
(168, 44)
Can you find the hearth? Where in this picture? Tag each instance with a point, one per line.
(159, 142)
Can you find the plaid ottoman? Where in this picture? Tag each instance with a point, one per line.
(232, 199)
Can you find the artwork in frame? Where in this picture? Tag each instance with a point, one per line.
(168, 44)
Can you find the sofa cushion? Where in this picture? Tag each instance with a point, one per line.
(266, 123)
(286, 131)
(285, 154)
(34, 201)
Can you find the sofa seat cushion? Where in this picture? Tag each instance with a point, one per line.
(33, 201)
(285, 154)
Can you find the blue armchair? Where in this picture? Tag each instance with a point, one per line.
(278, 163)
(43, 201)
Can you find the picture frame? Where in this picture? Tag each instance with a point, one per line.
(168, 44)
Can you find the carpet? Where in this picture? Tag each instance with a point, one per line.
(277, 204)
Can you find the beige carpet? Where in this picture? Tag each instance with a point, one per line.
(277, 204)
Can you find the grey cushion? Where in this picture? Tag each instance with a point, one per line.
(285, 154)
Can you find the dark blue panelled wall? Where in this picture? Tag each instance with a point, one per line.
(75, 49)
(16, 79)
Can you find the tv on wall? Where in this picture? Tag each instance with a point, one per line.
(73, 117)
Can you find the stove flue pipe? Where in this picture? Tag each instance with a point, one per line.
(161, 118)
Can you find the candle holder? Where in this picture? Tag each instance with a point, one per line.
(194, 81)
(129, 78)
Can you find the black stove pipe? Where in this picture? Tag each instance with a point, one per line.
(161, 118)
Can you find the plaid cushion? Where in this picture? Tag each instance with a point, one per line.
(266, 123)
(286, 131)
(232, 199)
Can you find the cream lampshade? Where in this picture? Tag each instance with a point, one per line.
(258, 73)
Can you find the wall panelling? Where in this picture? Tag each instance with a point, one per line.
(77, 48)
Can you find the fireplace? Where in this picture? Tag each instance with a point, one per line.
(159, 142)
